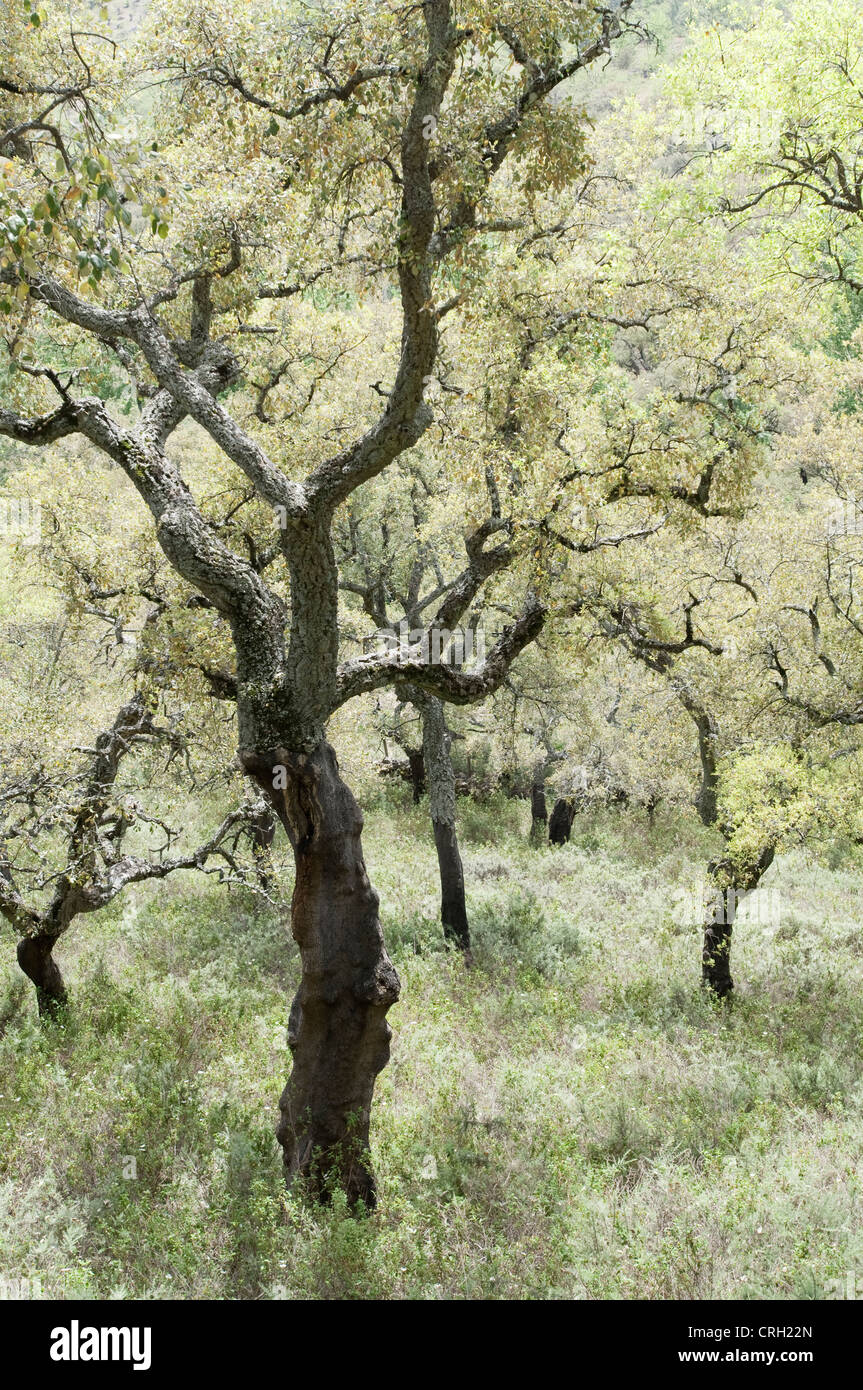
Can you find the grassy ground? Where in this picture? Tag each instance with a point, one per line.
(572, 1118)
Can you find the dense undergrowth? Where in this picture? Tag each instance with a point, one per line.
(571, 1118)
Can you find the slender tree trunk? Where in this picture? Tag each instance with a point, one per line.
(442, 804)
(716, 946)
(416, 762)
(705, 802)
(39, 965)
(538, 811)
(716, 956)
(263, 832)
(338, 1032)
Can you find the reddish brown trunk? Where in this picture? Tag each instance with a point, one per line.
(338, 1032)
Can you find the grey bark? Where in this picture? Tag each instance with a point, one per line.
(705, 724)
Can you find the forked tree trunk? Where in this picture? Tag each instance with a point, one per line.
(442, 804)
(39, 965)
(338, 1032)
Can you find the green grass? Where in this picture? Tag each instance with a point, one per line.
(571, 1118)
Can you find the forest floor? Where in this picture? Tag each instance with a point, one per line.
(572, 1118)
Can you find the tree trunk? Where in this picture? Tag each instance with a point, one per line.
(262, 834)
(442, 803)
(39, 965)
(416, 763)
(538, 812)
(733, 883)
(716, 957)
(560, 825)
(453, 908)
(338, 1032)
(705, 802)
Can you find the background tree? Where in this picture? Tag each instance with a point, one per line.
(91, 817)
